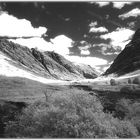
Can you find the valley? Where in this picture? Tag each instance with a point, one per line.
(22, 87)
(44, 95)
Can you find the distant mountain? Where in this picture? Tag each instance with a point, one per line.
(49, 65)
(129, 59)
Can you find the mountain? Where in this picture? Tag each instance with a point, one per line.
(49, 65)
(129, 59)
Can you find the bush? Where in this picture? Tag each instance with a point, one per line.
(129, 81)
(130, 111)
(125, 129)
(127, 89)
(112, 82)
(123, 107)
(68, 115)
(136, 81)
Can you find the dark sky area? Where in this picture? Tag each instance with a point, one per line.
(73, 19)
(70, 18)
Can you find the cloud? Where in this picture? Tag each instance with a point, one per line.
(98, 29)
(131, 24)
(39, 43)
(93, 24)
(60, 44)
(101, 4)
(85, 52)
(120, 5)
(106, 49)
(92, 61)
(133, 13)
(95, 29)
(120, 37)
(84, 48)
(111, 53)
(14, 27)
(103, 69)
(102, 45)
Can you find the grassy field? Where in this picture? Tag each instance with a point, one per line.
(24, 90)
(17, 94)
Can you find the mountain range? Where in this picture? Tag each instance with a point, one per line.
(49, 65)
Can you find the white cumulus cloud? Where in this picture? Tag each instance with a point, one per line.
(117, 4)
(62, 44)
(85, 52)
(12, 26)
(101, 4)
(120, 5)
(93, 28)
(98, 29)
(119, 37)
(92, 61)
(133, 13)
(93, 24)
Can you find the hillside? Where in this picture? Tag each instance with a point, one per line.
(49, 65)
(129, 59)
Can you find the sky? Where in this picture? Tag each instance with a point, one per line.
(93, 33)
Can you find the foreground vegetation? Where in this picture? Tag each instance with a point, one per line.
(72, 114)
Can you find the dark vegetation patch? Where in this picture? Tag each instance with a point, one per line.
(8, 111)
(83, 87)
(122, 101)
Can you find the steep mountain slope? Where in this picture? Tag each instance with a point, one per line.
(87, 70)
(129, 59)
(49, 65)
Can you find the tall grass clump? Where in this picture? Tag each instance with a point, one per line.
(113, 82)
(129, 81)
(136, 81)
(70, 114)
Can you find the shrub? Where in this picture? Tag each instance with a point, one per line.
(127, 89)
(123, 107)
(129, 81)
(68, 115)
(136, 81)
(125, 129)
(112, 82)
(130, 111)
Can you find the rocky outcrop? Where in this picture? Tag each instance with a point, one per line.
(47, 64)
(129, 59)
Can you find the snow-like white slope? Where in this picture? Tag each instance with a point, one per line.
(10, 70)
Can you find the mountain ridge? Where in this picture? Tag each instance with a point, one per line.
(46, 64)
